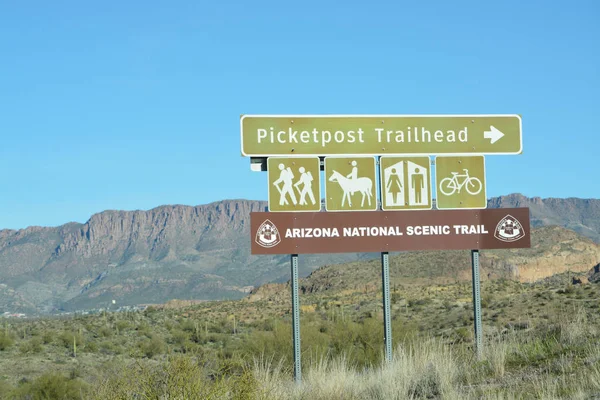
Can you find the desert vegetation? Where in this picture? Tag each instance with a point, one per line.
(541, 341)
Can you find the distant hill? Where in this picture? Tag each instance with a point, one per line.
(183, 252)
(579, 215)
(134, 257)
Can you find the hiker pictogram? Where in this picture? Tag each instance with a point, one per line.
(296, 184)
(285, 177)
(305, 179)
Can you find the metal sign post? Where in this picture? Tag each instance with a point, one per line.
(476, 302)
(296, 320)
(387, 317)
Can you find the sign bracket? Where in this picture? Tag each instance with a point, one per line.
(259, 164)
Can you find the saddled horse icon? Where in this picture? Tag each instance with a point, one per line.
(349, 186)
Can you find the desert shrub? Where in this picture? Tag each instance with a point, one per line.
(447, 304)
(179, 337)
(34, 345)
(6, 340)
(179, 377)
(107, 347)
(5, 388)
(51, 385)
(122, 325)
(143, 329)
(276, 343)
(67, 339)
(244, 386)
(105, 331)
(48, 336)
(486, 300)
(90, 347)
(463, 334)
(187, 325)
(152, 347)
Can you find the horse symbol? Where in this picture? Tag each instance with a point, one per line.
(349, 186)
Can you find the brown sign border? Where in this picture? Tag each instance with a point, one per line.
(488, 218)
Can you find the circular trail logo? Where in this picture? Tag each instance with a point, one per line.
(267, 235)
(509, 229)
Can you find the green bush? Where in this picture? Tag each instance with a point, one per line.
(90, 347)
(153, 346)
(105, 331)
(67, 339)
(32, 346)
(6, 340)
(122, 325)
(47, 337)
(51, 385)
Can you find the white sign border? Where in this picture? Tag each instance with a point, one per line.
(381, 182)
(269, 183)
(244, 116)
(484, 183)
(375, 199)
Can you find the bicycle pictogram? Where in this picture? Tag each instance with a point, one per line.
(450, 185)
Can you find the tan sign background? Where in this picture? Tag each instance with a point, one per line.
(343, 193)
(297, 185)
(405, 183)
(500, 228)
(460, 182)
(272, 135)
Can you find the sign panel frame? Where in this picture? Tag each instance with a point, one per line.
(316, 180)
(491, 134)
(382, 231)
(464, 185)
(374, 199)
(382, 183)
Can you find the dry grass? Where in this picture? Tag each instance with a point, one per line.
(430, 368)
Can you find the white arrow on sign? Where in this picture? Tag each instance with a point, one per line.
(493, 134)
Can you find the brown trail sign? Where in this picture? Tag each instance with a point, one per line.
(381, 231)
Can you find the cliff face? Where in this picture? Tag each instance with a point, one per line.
(184, 252)
(579, 215)
(554, 250)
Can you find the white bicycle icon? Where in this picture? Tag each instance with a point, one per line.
(450, 185)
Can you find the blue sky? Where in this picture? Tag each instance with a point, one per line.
(131, 105)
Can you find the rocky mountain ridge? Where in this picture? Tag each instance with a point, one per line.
(185, 252)
(554, 250)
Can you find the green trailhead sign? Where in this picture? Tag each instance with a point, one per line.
(294, 183)
(323, 135)
(460, 182)
(350, 184)
(405, 183)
